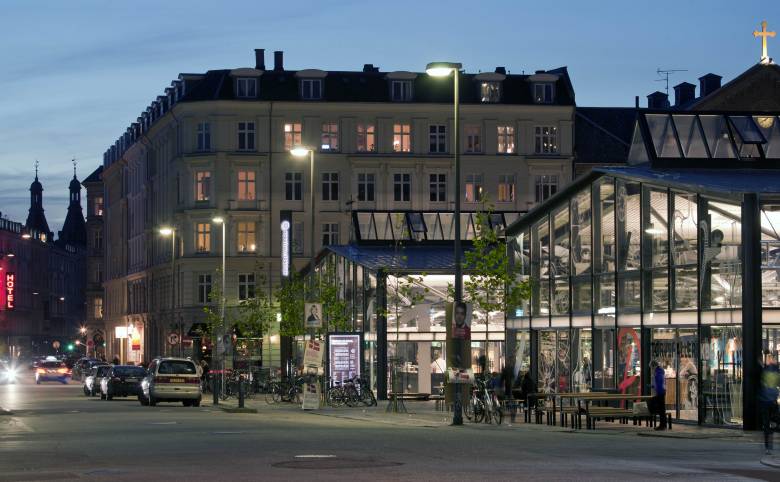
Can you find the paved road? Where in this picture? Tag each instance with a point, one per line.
(56, 433)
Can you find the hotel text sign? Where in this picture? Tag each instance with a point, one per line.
(285, 227)
(10, 291)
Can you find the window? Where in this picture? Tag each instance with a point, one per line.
(98, 240)
(311, 89)
(490, 92)
(330, 136)
(543, 93)
(437, 135)
(506, 140)
(97, 306)
(365, 186)
(98, 210)
(330, 186)
(473, 188)
(330, 234)
(202, 185)
(293, 186)
(546, 186)
(203, 237)
(402, 138)
(246, 136)
(438, 188)
(546, 140)
(246, 185)
(473, 139)
(296, 240)
(401, 90)
(506, 188)
(292, 135)
(246, 238)
(402, 187)
(204, 288)
(204, 136)
(246, 286)
(247, 87)
(365, 138)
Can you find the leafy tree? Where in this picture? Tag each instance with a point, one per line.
(290, 297)
(335, 308)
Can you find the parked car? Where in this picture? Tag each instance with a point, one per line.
(121, 381)
(91, 385)
(8, 372)
(52, 370)
(81, 367)
(171, 380)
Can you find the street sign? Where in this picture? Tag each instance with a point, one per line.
(173, 338)
(56, 345)
(90, 343)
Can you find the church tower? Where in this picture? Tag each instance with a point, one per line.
(74, 231)
(36, 219)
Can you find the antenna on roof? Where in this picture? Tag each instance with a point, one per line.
(664, 76)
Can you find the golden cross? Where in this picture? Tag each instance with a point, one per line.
(764, 34)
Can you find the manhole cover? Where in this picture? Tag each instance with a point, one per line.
(330, 462)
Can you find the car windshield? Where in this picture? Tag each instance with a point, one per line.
(176, 367)
(52, 364)
(129, 372)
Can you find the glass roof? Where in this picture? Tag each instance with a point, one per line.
(705, 136)
(420, 225)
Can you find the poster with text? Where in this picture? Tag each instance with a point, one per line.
(344, 356)
(312, 357)
(312, 317)
(311, 395)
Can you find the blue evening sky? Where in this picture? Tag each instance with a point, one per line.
(74, 74)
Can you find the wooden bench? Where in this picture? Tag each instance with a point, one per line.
(424, 397)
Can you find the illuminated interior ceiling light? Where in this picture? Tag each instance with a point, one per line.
(765, 121)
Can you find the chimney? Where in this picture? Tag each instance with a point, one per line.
(708, 84)
(684, 92)
(501, 70)
(636, 102)
(657, 100)
(278, 60)
(370, 68)
(260, 59)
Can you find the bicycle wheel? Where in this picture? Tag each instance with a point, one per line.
(333, 397)
(468, 409)
(498, 414)
(479, 411)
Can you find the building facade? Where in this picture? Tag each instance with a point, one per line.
(95, 263)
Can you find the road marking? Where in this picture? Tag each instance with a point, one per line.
(75, 411)
(226, 433)
(315, 456)
(163, 423)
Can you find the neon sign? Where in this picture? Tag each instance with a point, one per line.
(285, 226)
(10, 291)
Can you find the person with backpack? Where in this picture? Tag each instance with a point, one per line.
(767, 397)
(657, 404)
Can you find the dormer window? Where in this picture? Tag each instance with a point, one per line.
(544, 93)
(246, 88)
(311, 89)
(490, 92)
(401, 90)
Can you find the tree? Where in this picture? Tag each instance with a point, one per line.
(335, 308)
(290, 297)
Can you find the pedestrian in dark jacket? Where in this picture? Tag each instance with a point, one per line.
(115, 361)
(657, 404)
(767, 397)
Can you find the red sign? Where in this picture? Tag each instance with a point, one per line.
(10, 291)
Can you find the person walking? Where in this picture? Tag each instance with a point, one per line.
(770, 380)
(657, 404)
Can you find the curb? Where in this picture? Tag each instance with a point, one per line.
(692, 436)
(238, 410)
(771, 462)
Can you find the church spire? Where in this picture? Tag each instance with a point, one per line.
(74, 230)
(36, 219)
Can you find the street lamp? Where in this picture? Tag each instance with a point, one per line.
(300, 151)
(221, 220)
(171, 231)
(443, 69)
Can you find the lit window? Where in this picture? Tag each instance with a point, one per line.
(546, 186)
(311, 89)
(365, 186)
(546, 140)
(202, 185)
(98, 205)
(506, 188)
(204, 288)
(402, 138)
(97, 305)
(246, 185)
(246, 87)
(473, 188)
(204, 136)
(473, 139)
(246, 136)
(401, 90)
(293, 186)
(506, 140)
(438, 188)
(402, 187)
(246, 286)
(330, 186)
(246, 238)
(437, 135)
(490, 92)
(543, 93)
(292, 135)
(330, 234)
(203, 237)
(365, 138)
(330, 136)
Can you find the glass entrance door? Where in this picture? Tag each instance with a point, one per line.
(676, 351)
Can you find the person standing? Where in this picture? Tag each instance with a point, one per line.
(657, 404)
(770, 380)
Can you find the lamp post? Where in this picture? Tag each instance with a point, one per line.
(300, 151)
(444, 69)
(170, 231)
(220, 340)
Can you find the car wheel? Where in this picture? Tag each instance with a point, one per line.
(196, 402)
(37, 382)
(152, 401)
(86, 392)
(186, 403)
(109, 396)
(143, 400)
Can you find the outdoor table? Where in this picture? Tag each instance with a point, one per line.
(610, 397)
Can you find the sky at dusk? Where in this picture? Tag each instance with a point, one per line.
(74, 74)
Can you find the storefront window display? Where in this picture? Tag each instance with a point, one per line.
(721, 240)
(721, 354)
(629, 361)
(603, 359)
(554, 361)
(676, 351)
(770, 256)
(522, 357)
(582, 343)
(685, 251)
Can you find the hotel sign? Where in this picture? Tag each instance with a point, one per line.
(10, 291)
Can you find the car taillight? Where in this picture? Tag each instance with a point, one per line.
(40, 371)
(62, 370)
(193, 380)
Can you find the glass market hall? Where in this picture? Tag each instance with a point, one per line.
(674, 257)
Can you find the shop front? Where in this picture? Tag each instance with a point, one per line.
(674, 259)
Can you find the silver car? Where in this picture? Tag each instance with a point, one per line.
(171, 380)
(91, 385)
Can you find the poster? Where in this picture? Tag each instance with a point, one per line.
(312, 315)
(344, 356)
(312, 357)
(460, 376)
(461, 320)
(311, 395)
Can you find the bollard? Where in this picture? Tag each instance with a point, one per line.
(215, 388)
(241, 391)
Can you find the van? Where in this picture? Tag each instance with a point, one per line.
(171, 380)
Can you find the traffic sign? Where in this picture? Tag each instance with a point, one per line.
(90, 343)
(173, 338)
(56, 345)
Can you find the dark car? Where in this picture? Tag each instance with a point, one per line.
(122, 381)
(81, 367)
(51, 370)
